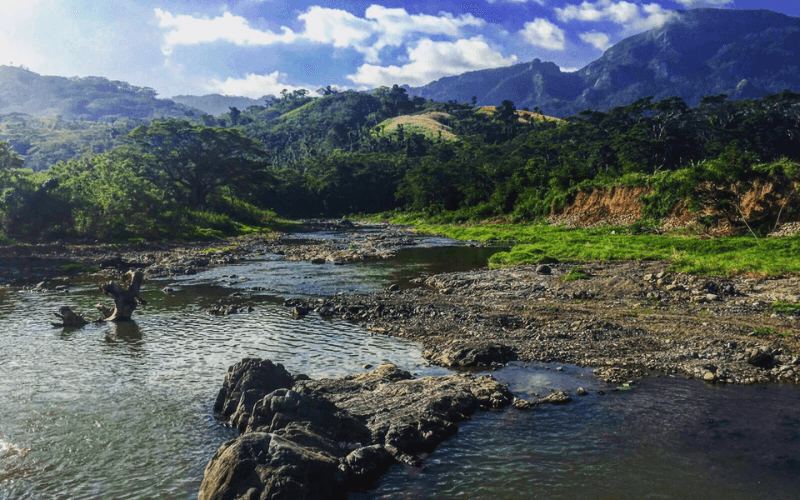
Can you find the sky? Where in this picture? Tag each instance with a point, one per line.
(259, 47)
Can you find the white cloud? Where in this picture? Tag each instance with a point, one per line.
(632, 17)
(380, 27)
(252, 85)
(693, 3)
(600, 41)
(431, 60)
(542, 33)
(189, 30)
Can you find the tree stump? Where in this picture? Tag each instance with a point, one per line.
(125, 300)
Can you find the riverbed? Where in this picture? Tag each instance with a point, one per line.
(124, 410)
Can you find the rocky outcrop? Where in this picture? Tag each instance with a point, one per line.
(319, 438)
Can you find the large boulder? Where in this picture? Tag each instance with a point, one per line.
(245, 383)
(322, 437)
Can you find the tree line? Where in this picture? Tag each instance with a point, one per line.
(299, 155)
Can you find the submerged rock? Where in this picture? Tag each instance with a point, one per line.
(319, 438)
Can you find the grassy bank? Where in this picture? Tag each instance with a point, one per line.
(538, 243)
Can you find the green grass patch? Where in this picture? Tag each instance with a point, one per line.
(77, 267)
(785, 307)
(576, 273)
(712, 257)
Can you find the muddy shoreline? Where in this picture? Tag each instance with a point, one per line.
(626, 319)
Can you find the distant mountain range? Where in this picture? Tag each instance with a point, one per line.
(217, 104)
(701, 52)
(92, 98)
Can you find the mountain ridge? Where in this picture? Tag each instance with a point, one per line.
(699, 52)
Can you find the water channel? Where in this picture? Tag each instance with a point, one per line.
(124, 411)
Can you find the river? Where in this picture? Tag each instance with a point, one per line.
(123, 411)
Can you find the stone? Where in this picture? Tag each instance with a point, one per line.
(557, 398)
(320, 438)
(466, 355)
(523, 404)
(709, 377)
(543, 269)
(299, 312)
(582, 392)
(757, 357)
(318, 260)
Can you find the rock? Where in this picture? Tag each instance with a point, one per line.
(320, 438)
(711, 297)
(543, 269)
(393, 288)
(557, 398)
(582, 392)
(757, 357)
(709, 376)
(674, 288)
(318, 260)
(247, 382)
(523, 404)
(466, 355)
(648, 277)
(299, 312)
(367, 366)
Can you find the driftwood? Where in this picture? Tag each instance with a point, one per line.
(125, 300)
(69, 318)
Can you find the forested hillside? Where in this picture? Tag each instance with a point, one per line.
(349, 152)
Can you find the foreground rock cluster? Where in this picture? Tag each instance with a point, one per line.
(317, 439)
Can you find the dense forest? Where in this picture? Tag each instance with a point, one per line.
(349, 152)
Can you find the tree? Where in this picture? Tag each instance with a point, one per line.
(8, 157)
(190, 162)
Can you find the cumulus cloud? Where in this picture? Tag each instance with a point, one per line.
(598, 40)
(380, 27)
(252, 85)
(542, 33)
(430, 60)
(189, 30)
(632, 17)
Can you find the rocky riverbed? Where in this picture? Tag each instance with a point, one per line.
(627, 320)
(36, 265)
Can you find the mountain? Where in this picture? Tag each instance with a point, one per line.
(700, 52)
(92, 98)
(216, 104)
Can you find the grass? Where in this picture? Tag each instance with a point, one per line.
(538, 243)
(785, 307)
(576, 273)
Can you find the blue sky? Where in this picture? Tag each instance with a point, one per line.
(258, 47)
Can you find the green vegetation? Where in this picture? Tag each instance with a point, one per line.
(345, 152)
(722, 256)
(786, 308)
(576, 273)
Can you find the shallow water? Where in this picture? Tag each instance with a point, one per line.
(124, 411)
(664, 438)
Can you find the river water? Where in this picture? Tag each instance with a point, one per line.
(124, 411)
